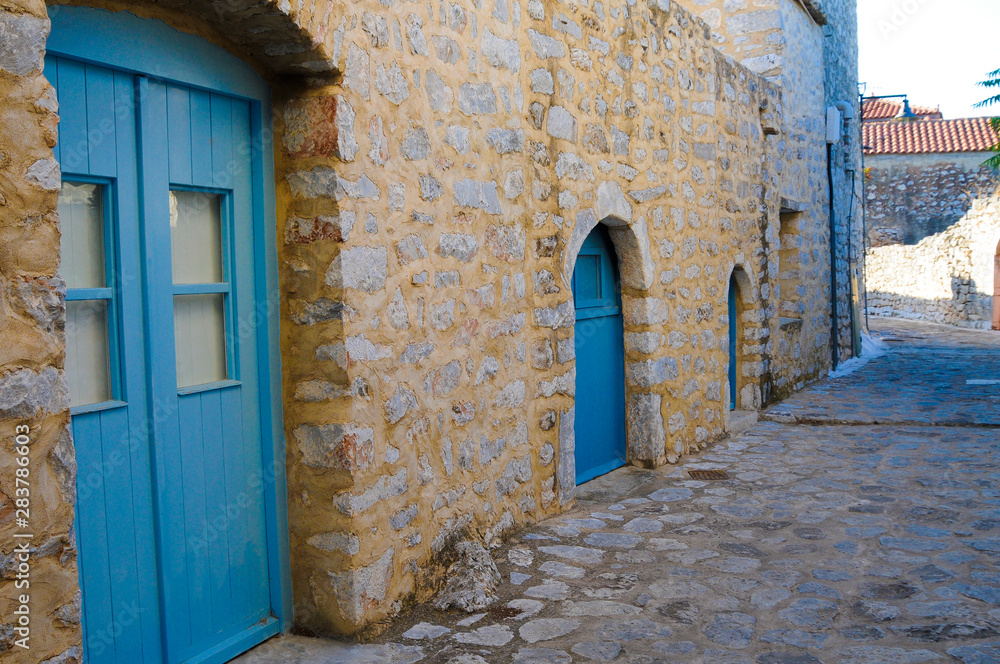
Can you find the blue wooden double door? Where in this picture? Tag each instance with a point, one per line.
(600, 359)
(156, 213)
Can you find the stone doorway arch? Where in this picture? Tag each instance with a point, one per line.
(645, 430)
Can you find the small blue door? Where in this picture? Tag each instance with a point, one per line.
(160, 199)
(600, 359)
(733, 337)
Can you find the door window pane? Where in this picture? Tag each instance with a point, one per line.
(196, 237)
(81, 217)
(588, 278)
(200, 338)
(88, 366)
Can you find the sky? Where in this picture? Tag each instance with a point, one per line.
(935, 51)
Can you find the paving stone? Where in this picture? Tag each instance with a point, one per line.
(984, 653)
(600, 651)
(600, 608)
(631, 629)
(527, 607)
(884, 655)
(671, 495)
(769, 598)
(553, 590)
(471, 620)
(734, 630)
(546, 629)
(577, 554)
(940, 609)
(794, 637)
(643, 525)
(786, 658)
(562, 570)
(542, 656)
(987, 594)
(877, 611)
(425, 631)
(491, 635)
(812, 613)
(614, 540)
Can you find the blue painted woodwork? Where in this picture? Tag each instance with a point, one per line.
(733, 335)
(600, 359)
(183, 542)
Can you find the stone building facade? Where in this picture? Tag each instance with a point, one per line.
(933, 216)
(438, 168)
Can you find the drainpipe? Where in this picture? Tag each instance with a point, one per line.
(834, 314)
(834, 133)
(838, 117)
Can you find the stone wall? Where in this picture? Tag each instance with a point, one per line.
(432, 196)
(911, 197)
(33, 392)
(482, 146)
(932, 234)
(945, 278)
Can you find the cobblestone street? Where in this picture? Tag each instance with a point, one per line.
(860, 524)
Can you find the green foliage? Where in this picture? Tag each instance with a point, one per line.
(992, 83)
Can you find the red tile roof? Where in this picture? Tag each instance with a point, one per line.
(885, 109)
(929, 136)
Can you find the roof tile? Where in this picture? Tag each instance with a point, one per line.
(929, 136)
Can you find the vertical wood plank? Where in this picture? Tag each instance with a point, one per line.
(178, 143)
(117, 474)
(243, 240)
(91, 518)
(73, 118)
(222, 141)
(196, 542)
(161, 368)
(217, 507)
(237, 478)
(101, 127)
(201, 139)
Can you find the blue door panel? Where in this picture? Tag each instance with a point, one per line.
(101, 138)
(733, 335)
(175, 563)
(600, 360)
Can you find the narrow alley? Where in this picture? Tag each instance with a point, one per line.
(859, 524)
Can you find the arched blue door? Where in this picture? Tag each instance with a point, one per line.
(733, 335)
(600, 359)
(164, 212)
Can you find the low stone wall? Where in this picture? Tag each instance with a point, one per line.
(945, 278)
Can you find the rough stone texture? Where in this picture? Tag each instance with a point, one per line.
(934, 238)
(699, 150)
(33, 393)
(472, 580)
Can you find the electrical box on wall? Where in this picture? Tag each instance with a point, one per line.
(834, 125)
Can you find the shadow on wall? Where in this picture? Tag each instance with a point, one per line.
(968, 305)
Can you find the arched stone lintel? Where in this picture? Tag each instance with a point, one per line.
(745, 280)
(631, 239)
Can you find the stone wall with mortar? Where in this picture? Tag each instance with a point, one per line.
(33, 392)
(947, 277)
(809, 49)
(432, 196)
(911, 197)
(431, 365)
